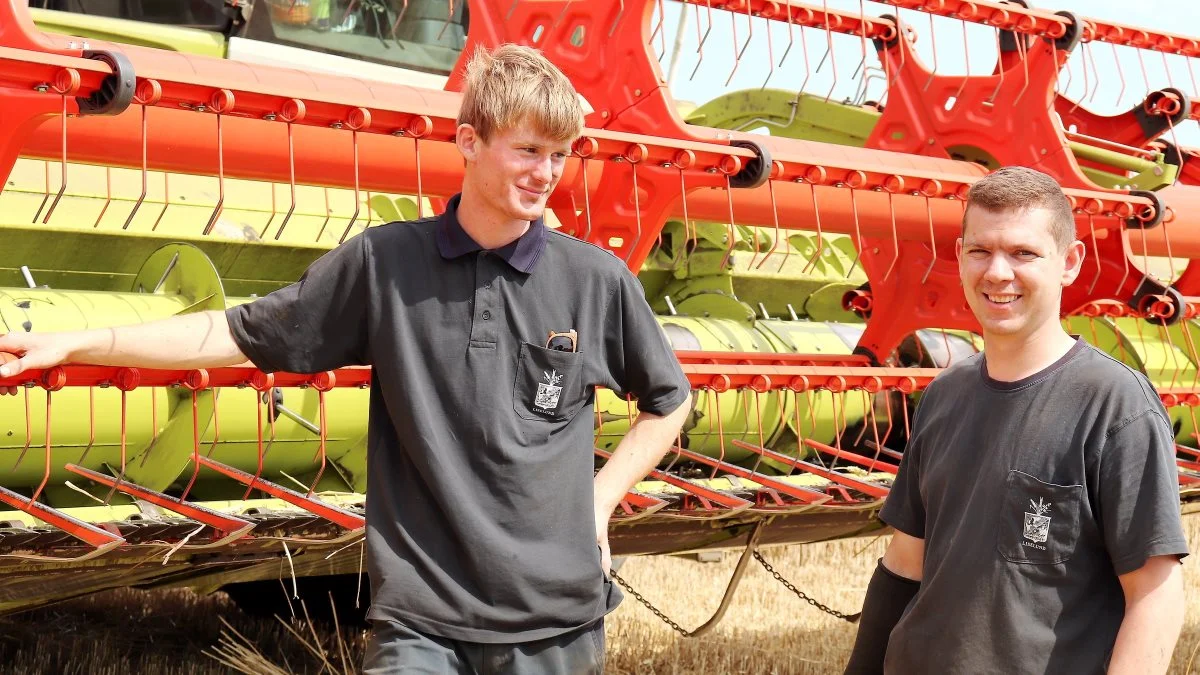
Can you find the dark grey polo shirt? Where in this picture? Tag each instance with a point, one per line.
(480, 522)
(1032, 498)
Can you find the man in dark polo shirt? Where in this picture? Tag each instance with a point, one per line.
(488, 334)
(1036, 510)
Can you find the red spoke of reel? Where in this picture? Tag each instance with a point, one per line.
(704, 495)
(228, 528)
(853, 457)
(865, 487)
(803, 494)
(334, 514)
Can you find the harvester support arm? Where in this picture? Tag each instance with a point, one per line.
(188, 341)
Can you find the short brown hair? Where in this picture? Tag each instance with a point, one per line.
(1016, 188)
(516, 84)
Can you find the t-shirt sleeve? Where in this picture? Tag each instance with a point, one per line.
(637, 357)
(318, 323)
(1139, 493)
(904, 509)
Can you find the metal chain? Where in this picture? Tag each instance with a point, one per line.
(657, 612)
(852, 618)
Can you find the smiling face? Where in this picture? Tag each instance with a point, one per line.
(512, 173)
(1013, 272)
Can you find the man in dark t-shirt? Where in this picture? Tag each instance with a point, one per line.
(487, 534)
(1036, 510)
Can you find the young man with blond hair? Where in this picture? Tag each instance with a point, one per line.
(1036, 511)
(486, 532)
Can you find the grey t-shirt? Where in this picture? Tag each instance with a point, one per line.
(480, 523)
(1032, 497)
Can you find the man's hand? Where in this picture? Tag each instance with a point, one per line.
(30, 351)
(602, 540)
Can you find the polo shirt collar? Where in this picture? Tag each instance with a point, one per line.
(521, 254)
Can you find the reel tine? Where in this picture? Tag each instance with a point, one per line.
(357, 193)
(770, 51)
(28, 427)
(1023, 51)
(658, 29)
(858, 242)
(321, 450)
(196, 381)
(222, 102)
(124, 458)
(862, 34)
(107, 196)
(932, 188)
(829, 51)
(1001, 70)
(811, 263)
(702, 38)
(166, 201)
(933, 49)
(62, 188)
(738, 53)
(1095, 247)
(216, 423)
(776, 171)
(1120, 74)
(47, 454)
(1192, 76)
(966, 60)
(91, 424)
(893, 185)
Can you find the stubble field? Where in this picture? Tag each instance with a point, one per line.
(767, 629)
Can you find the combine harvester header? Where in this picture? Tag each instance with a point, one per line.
(806, 276)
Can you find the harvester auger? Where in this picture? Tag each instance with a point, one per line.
(806, 277)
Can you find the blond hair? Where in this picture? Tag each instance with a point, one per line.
(513, 85)
(1017, 188)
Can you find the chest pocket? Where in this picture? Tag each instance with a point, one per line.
(1039, 522)
(549, 384)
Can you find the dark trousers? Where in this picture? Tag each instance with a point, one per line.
(396, 648)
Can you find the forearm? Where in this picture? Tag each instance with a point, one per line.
(1150, 629)
(199, 340)
(639, 451)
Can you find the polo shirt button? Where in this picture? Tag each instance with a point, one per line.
(486, 315)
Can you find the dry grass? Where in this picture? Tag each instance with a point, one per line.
(766, 630)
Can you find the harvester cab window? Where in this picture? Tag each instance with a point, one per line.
(419, 35)
(424, 36)
(202, 14)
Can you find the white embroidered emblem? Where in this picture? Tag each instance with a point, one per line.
(548, 392)
(1037, 524)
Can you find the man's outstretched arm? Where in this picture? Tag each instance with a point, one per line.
(199, 340)
(1154, 609)
(896, 581)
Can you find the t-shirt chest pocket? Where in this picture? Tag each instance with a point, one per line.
(548, 383)
(1039, 521)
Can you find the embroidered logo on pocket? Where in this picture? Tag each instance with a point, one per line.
(548, 392)
(1037, 524)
